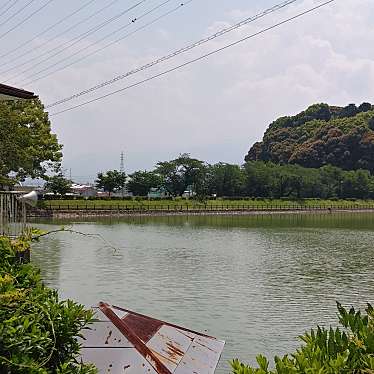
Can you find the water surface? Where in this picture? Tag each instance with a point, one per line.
(255, 281)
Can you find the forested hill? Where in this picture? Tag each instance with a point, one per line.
(321, 135)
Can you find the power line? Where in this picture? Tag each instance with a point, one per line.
(200, 42)
(45, 31)
(17, 12)
(136, 19)
(26, 19)
(53, 38)
(195, 59)
(79, 38)
(5, 4)
(9, 7)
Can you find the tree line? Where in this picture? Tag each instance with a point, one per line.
(252, 179)
(330, 140)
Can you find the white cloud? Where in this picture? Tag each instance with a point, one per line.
(218, 108)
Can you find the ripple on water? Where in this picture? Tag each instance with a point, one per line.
(258, 283)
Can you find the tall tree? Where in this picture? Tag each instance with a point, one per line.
(225, 179)
(58, 184)
(28, 148)
(141, 182)
(111, 181)
(181, 173)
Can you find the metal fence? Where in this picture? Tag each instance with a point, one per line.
(12, 214)
(200, 208)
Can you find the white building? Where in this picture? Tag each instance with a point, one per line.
(84, 190)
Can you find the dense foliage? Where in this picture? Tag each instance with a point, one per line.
(327, 351)
(38, 333)
(111, 181)
(321, 135)
(27, 146)
(293, 181)
(58, 184)
(256, 179)
(141, 182)
(181, 173)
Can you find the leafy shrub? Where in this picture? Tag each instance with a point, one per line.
(347, 350)
(38, 333)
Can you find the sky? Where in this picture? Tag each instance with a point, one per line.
(214, 109)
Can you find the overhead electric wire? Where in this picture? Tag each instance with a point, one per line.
(179, 51)
(45, 31)
(16, 13)
(111, 43)
(78, 38)
(202, 57)
(9, 7)
(75, 25)
(5, 4)
(26, 19)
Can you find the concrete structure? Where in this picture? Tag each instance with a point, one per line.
(12, 93)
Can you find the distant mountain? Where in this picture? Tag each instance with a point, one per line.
(321, 135)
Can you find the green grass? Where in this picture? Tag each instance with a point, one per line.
(210, 204)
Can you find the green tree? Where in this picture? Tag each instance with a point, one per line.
(142, 181)
(225, 179)
(259, 180)
(111, 181)
(365, 107)
(58, 184)
(182, 172)
(319, 136)
(27, 146)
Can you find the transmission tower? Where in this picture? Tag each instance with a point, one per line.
(122, 170)
(122, 167)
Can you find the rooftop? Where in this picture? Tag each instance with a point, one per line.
(12, 93)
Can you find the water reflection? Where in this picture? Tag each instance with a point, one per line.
(257, 282)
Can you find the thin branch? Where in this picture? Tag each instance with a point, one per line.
(63, 229)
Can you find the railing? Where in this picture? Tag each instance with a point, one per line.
(200, 208)
(12, 214)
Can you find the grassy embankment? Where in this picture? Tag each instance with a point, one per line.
(219, 204)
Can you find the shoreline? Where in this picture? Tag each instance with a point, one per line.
(165, 213)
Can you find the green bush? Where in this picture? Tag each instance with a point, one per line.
(347, 350)
(38, 333)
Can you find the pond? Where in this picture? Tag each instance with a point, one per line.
(255, 281)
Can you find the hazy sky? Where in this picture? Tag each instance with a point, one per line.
(215, 109)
